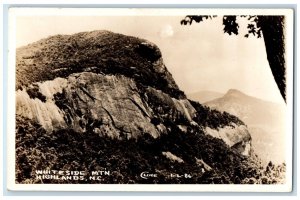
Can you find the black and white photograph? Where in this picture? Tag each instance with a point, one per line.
(150, 99)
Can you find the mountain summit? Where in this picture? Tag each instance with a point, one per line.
(97, 52)
(235, 93)
(100, 100)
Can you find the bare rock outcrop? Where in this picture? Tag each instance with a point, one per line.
(236, 136)
(112, 85)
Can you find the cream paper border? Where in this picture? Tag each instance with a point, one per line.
(19, 12)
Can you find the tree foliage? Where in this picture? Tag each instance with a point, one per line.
(69, 150)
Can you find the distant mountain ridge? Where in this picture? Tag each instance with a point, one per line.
(204, 96)
(265, 120)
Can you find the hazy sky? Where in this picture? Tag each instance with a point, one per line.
(200, 57)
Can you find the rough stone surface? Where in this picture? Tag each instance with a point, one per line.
(122, 94)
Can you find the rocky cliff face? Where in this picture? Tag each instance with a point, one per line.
(108, 84)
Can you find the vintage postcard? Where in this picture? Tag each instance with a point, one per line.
(150, 99)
